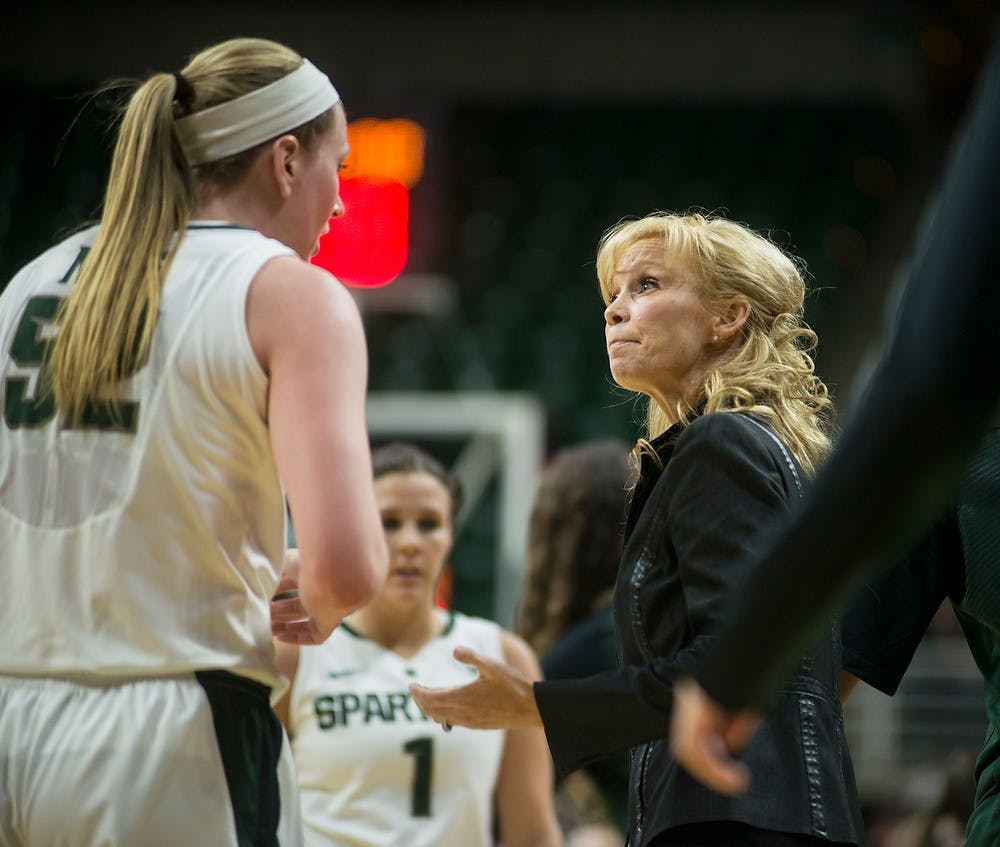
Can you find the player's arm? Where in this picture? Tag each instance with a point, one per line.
(524, 792)
(286, 655)
(307, 333)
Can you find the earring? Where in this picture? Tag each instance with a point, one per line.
(715, 338)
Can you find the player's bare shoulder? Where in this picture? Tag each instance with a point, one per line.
(290, 296)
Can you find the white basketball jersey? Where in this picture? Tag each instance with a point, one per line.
(372, 769)
(150, 545)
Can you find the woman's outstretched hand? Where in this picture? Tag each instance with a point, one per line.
(704, 738)
(501, 697)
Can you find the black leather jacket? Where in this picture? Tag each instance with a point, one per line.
(725, 479)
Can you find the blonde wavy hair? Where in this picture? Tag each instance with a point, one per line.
(106, 323)
(769, 371)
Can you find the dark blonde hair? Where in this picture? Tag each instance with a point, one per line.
(574, 539)
(770, 373)
(106, 323)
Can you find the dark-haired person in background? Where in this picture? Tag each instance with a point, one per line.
(574, 549)
(373, 771)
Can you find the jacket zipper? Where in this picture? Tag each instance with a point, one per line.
(645, 650)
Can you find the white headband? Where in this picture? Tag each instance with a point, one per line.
(242, 123)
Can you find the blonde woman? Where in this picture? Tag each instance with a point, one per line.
(704, 317)
(200, 368)
(373, 771)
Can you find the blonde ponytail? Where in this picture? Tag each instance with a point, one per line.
(106, 323)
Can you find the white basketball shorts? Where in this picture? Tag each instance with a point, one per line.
(180, 761)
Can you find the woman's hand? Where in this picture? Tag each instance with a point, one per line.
(501, 697)
(703, 737)
(290, 622)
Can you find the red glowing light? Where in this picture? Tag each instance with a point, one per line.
(367, 247)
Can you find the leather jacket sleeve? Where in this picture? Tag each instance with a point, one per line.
(692, 541)
(885, 623)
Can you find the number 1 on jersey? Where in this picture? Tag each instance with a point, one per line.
(422, 750)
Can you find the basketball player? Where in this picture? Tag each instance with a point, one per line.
(372, 769)
(162, 376)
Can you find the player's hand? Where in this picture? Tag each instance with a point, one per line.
(704, 738)
(501, 697)
(290, 622)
